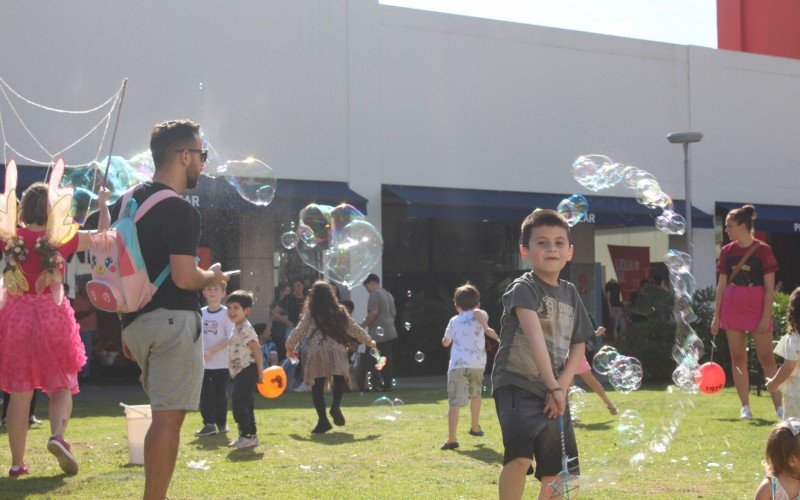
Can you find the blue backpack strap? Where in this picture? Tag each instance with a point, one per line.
(162, 277)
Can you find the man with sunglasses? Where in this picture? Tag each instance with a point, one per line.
(164, 337)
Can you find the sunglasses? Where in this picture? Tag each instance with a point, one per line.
(202, 152)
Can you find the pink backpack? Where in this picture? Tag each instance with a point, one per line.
(120, 282)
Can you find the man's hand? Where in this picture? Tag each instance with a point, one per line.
(219, 276)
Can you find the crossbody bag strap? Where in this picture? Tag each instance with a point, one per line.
(738, 267)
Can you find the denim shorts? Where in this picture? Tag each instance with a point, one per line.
(168, 347)
(529, 433)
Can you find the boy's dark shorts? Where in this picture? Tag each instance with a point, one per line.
(529, 433)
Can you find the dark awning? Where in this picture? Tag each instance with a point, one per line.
(480, 204)
(291, 195)
(771, 218)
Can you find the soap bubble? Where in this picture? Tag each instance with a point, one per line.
(354, 251)
(407, 326)
(677, 261)
(289, 240)
(253, 179)
(397, 402)
(419, 357)
(382, 401)
(577, 399)
(379, 331)
(632, 176)
(604, 359)
(306, 235)
(684, 377)
(338, 242)
(588, 171)
(575, 209)
(626, 374)
(630, 428)
(683, 283)
(649, 194)
(409, 294)
(394, 382)
(671, 223)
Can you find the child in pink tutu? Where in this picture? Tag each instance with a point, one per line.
(40, 343)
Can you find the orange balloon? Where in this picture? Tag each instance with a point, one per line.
(274, 382)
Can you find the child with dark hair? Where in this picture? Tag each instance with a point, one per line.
(782, 463)
(245, 366)
(465, 332)
(787, 378)
(327, 329)
(542, 340)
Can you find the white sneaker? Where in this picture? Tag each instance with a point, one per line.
(745, 413)
(303, 387)
(779, 413)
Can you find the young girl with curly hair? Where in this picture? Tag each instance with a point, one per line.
(787, 379)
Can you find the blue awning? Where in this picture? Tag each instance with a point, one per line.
(479, 204)
(771, 218)
(291, 195)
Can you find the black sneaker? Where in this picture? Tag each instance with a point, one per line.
(450, 445)
(478, 433)
(338, 418)
(207, 430)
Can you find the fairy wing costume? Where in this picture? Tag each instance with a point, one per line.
(59, 230)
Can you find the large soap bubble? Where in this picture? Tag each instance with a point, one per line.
(626, 374)
(338, 242)
(596, 172)
(630, 428)
(604, 359)
(677, 261)
(253, 179)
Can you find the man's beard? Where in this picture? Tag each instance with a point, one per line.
(191, 182)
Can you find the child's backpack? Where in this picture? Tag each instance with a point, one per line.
(120, 282)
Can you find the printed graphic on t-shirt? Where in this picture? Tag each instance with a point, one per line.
(210, 327)
(557, 327)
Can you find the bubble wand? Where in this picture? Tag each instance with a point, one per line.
(114, 134)
(564, 485)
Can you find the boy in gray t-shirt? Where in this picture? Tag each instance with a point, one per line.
(544, 324)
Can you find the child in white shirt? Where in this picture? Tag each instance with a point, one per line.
(787, 379)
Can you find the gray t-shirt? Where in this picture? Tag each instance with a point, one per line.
(382, 301)
(564, 322)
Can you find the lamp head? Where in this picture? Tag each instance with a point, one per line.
(684, 137)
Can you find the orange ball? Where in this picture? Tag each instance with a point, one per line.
(274, 382)
(711, 379)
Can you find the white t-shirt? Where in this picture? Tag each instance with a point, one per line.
(217, 328)
(789, 349)
(468, 348)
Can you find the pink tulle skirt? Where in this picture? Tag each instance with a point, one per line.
(40, 345)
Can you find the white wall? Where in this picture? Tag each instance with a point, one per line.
(352, 90)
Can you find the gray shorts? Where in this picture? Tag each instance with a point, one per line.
(462, 384)
(529, 433)
(168, 347)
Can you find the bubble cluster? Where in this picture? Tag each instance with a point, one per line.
(598, 172)
(577, 400)
(338, 242)
(630, 428)
(624, 373)
(575, 209)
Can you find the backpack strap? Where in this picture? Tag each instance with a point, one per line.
(152, 201)
(738, 267)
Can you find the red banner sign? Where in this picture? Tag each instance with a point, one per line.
(631, 265)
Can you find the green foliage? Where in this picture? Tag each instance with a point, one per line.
(779, 306)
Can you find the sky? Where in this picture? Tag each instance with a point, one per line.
(684, 22)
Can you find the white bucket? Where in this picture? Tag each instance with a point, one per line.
(138, 418)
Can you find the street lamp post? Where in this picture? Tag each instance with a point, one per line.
(685, 138)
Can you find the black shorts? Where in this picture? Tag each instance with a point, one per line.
(529, 433)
